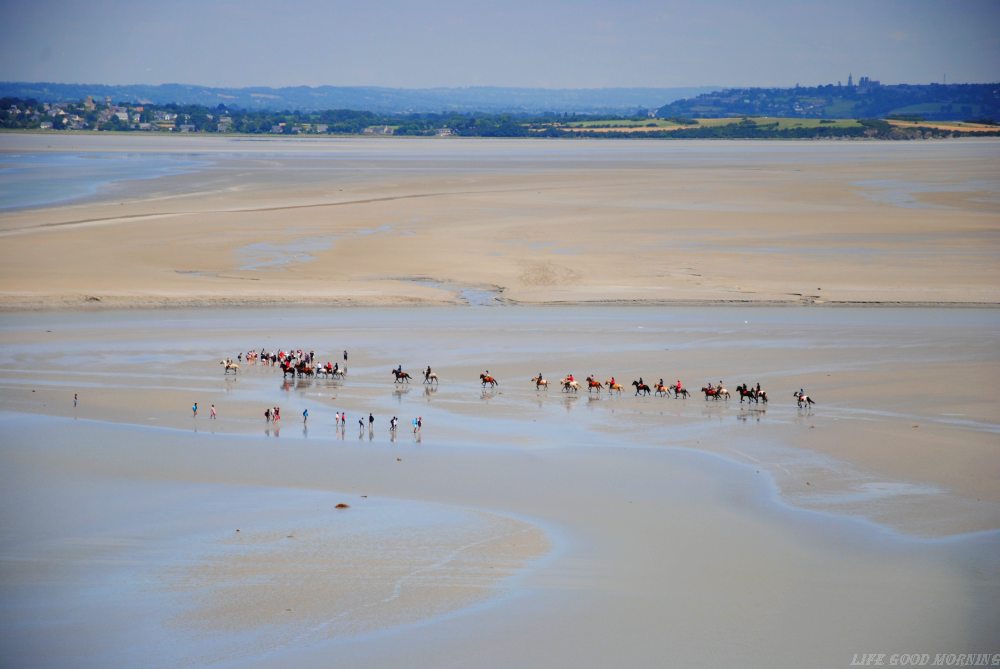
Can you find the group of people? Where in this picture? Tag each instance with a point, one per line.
(274, 415)
(282, 357)
(340, 418)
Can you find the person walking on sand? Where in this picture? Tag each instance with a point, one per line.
(371, 422)
(305, 415)
(213, 415)
(267, 415)
(194, 410)
(76, 398)
(420, 423)
(277, 414)
(345, 357)
(414, 426)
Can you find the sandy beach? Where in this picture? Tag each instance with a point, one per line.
(519, 527)
(356, 222)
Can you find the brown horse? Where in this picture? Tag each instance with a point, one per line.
(660, 390)
(594, 384)
(488, 380)
(715, 393)
(401, 376)
(612, 386)
(540, 382)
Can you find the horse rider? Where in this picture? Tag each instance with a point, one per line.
(679, 385)
(427, 373)
(612, 382)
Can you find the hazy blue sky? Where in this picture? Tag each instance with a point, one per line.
(535, 43)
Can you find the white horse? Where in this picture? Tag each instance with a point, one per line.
(569, 385)
(230, 366)
(802, 398)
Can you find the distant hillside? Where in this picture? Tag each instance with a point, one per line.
(867, 100)
(366, 98)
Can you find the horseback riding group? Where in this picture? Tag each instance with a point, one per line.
(300, 363)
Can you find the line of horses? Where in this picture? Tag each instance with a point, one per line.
(746, 392)
(569, 384)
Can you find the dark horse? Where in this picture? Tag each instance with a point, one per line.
(488, 380)
(751, 394)
(401, 376)
(302, 369)
(641, 388)
(678, 393)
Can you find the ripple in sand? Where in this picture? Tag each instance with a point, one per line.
(331, 573)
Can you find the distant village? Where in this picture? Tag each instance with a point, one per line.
(866, 109)
(91, 114)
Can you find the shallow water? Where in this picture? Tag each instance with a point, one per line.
(173, 356)
(30, 180)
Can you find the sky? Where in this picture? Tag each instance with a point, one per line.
(523, 43)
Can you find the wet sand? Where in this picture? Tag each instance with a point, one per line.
(520, 527)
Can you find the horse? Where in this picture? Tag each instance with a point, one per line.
(641, 388)
(287, 369)
(230, 366)
(594, 384)
(488, 380)
(660, 390)
(612, 386)
(431, 377)
(715, 393)
(540, 382)
(401, 376)
(803, 399)
(678, 391)
(747, 393)
(568, 385)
